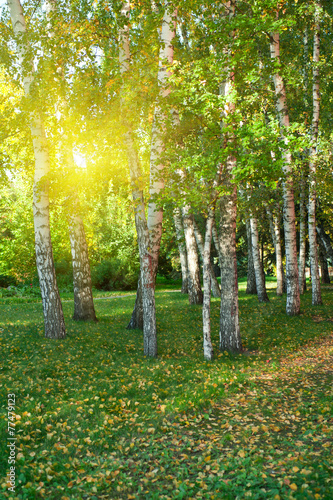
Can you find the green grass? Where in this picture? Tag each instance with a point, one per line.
(99, 420)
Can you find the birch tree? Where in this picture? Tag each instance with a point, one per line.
(315, 280)
(274, 223)
(201, 246)
(84, 309)
(207, 277)
(251, 287)
(230, 339)
(182, 248)
(293, 295)
(302, 239)
(155, 212)
(258, 270)
(146, 265)
(52, 308)
(195, 295)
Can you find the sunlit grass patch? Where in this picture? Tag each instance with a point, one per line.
(99, 420)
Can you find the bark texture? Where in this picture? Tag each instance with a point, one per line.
(155, 212)
(326, 241)
(274, 223)
(195, 295)
(302, 239)
(258, 269)
(182, 248)
(146, 260)
(293, 295)
(136, 321)
(315, 280)
(83, 300)
(201, 246)
(251, 287)
(325, 276)
(230, 339)
(84, 309)
(52, 308)
(207, 277)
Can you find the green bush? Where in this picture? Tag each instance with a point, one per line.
(64, 272)
(6, 281)
(114, 275)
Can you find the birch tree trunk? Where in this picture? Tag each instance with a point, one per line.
(293, 295)
(201, 246)
(216, 242)
(302, 239)
(325, 276)
(251, 287)
(207, 275)
(146, 261)
(155, 212)
(52, 308)
(182, 248)
(258, 270)
(230, 339)
(194, 287)
(315, 281)
(326, 242)
(274, 223)
(84, 309)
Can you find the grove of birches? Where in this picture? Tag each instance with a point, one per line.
(151, 139)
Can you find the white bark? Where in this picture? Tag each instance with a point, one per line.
(302, 239)
(84, 309)
(216, 242)
(194, 287)
(274, 223)
(258, 270)
(315, 280)
(201, 246)
(182, 248)
(326, 241)
(52, 308)
(293, 295)
(207, 342)
(155, 213)
(230, 339)
(251, 287)
(146, 262)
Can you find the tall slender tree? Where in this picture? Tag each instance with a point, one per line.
(155, 212)
(230, 339)
(84, 309)
(146, 265)
(195, 295)
(258, 269)
(182, 248)
(251, 287)
(52, 308)
(315, 280)
(293, 295)
(201, 246)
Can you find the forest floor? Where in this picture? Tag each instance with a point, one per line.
(95, 419)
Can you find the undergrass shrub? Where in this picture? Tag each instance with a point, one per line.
(64, 272)
(115, 275)
(6, 281)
